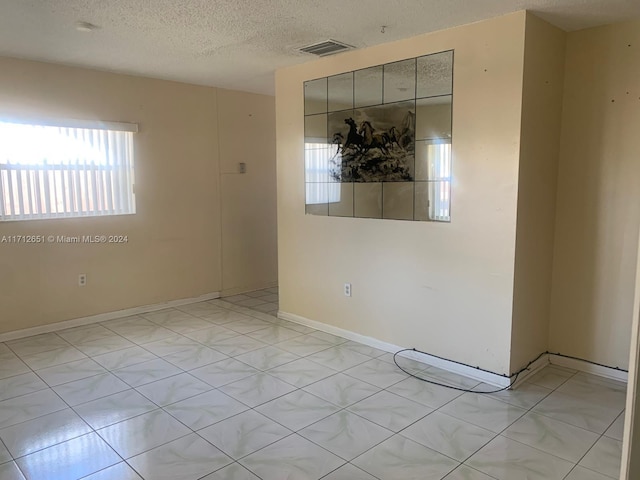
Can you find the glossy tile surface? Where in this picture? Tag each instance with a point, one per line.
(119, 471)
(114, 408)
(506, 459)
(92, 388)
(449, 436)
(173, 389)
(552, 436)
(346, 434)
(257, 389)
(139, 434)
(293, 458)
(43, 432)
(69, 460)
(27, 407)
(205, 409)
(188, 458)
(483, 411)
(20, 385)
(399, 458)
(10, 471)
(604, 457)
(223, 390)
(70, 372)
(389, 410)
(244, 434)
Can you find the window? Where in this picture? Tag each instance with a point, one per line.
(440, 185)
(65, 169)
(321, 165)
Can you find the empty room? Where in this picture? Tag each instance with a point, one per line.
(382, 240)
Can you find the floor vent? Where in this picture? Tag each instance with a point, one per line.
(328, 47)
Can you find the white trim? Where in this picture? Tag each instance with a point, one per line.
(486, 377)
(587, 367)
(103, 317)
(229, 292)
(481, 376)
(534, 368)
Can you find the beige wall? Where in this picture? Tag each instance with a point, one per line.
(539, 149)
(175, 239)
(443, 288)
(247, 134)
(631, 444)
(598, 211)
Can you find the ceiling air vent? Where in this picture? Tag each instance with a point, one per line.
(328, 47)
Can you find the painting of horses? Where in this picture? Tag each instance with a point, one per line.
(374, 144)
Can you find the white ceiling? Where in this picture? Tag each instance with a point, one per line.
(238, 44)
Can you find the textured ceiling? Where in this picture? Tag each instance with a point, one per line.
(238, 44)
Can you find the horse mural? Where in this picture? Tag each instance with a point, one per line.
(372, 139)
(381, 148)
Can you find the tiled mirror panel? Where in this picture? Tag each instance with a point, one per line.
(378, 141)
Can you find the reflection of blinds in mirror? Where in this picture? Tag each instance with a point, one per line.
(440, 181)
(318, 162)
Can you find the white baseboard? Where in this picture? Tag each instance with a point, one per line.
(534, 368)
(103, 317)
(587, 367)
(481, 376)
(251, 288)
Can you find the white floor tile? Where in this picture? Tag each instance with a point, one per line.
(223, 372)
(449, 436)
(389, 410)
(50, 358)
(296, 410)
(27, 407)
(10, 471)
(293, 457)
(70, 372)
(70, 460)
(92, 388)
(124, 358)
(505, 459)
(267, 357)
(114, 408)
(604, 457)
(147, 372)
(43, 432)
(188, 458)
(483, 411)
(173, 389)
(348, 472)
(20, 385)
(552, 436)
(399, 458)
(243, 434)
(346, 434)
(235, 471)
(257, 389)
(205, 409)
(145, 432)
(119, 471)
(301, 372)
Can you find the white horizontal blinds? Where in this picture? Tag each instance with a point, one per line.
(319, 162)
(60, 171)
(440, 181)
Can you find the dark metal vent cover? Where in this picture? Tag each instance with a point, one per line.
(328, 47)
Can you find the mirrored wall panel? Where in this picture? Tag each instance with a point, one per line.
(378, 141)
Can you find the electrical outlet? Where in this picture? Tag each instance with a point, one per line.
(347, 289)
(82, 280)
(242, 167)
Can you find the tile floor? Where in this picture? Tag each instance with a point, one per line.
(222, 390)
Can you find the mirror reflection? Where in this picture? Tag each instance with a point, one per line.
(378, 141)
